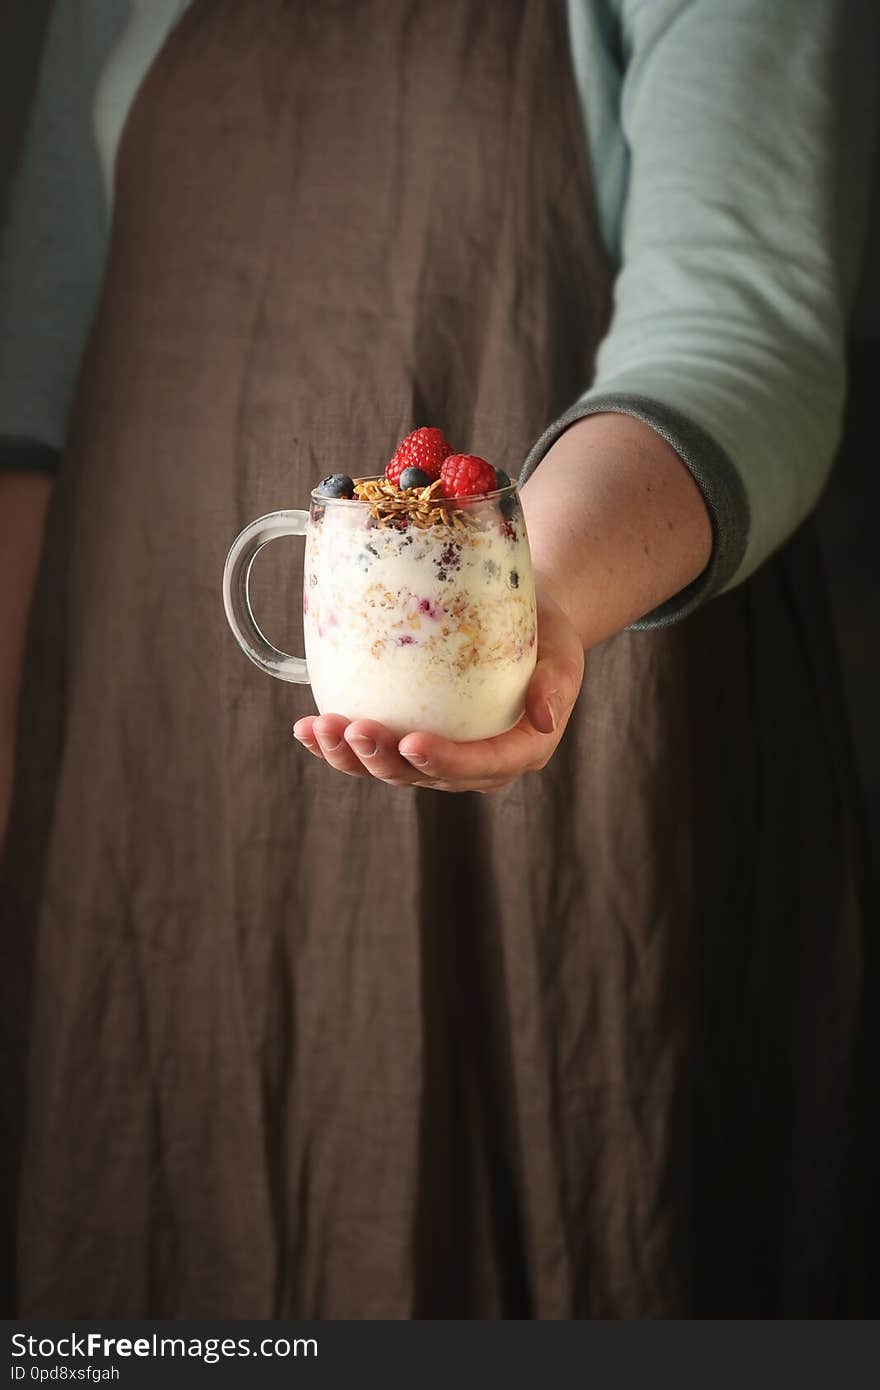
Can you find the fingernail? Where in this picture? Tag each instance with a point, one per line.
(366, 747)
(326, 744)
(416, 760)
(551, 713)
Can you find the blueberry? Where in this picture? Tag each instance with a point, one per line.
(506, 505)
(513, 579)
(414, 477)
(337, 485)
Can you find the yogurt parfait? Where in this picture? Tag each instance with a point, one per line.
(418, 600)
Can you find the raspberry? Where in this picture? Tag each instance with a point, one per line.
(425, 449)
(466, 475)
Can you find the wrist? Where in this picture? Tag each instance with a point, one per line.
(616, 524)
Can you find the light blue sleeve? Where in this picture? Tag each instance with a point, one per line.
(750, 129)
(54, 240)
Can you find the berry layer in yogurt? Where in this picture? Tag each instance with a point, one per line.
(419, 607)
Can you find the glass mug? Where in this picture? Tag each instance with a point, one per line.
(428, 628)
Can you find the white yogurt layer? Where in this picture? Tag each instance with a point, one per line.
(430, 630)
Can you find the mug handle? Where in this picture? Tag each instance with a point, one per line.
(237, 600)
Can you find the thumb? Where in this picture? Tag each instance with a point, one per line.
(559, 671)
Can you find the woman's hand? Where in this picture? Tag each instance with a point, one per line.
(616, 525)
(363, 748)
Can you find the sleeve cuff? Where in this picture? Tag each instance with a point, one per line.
(712, 471)
(27, 455)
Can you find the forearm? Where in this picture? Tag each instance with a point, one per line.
(24, 502)
(616, 524)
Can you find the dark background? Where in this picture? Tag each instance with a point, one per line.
(848, 515)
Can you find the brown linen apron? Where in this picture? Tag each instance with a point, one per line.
(306, 1046)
